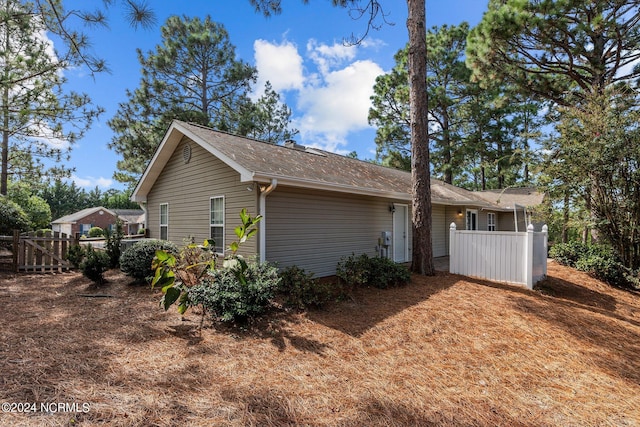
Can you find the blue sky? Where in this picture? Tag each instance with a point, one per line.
(301, 52)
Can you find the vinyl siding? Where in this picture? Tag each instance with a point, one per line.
(315, 229)
(188, 188)
(451, 215)
(439, 230)
(505, 222)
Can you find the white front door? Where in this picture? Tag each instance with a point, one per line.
(400, 231)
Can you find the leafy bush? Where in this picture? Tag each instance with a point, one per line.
(301, 290)
(12, 217)
(385, 273)
(38, 211)
(94, 265)
(137, 260)
(175, 277)
(176, 274)
(112, 244)
(96, 232)
(364, 270)
(75, 255)
(228, 299)
(568, 253)
(353, 270)
(599, 261)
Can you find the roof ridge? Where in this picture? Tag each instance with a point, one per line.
(251, 138)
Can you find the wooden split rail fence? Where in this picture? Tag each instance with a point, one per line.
(37, 252)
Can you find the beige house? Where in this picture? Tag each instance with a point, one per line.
(317, 206)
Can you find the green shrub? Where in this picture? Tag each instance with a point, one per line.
(137, 260)
(385, 273)
(301, 290)
(112, 244)
(602, 263)
(75, 255)
(96, 232)
(176, 274)
(94, 265)
(12, 217)
(568, 253)
(599, 261)
(353, 270)
(228, 299)
(372, 271)
(38, 211)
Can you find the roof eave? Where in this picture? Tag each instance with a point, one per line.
(316, 185)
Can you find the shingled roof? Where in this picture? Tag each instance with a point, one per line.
(298, 166)
(77, 216)
(512, 196)
(130, 216)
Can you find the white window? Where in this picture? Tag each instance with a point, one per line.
(164, 221)
(217, 223)
(472, 219)
(491, 221)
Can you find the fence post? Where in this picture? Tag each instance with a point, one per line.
(545, 231)
(16, 249)
(529, 257)
(453, 253)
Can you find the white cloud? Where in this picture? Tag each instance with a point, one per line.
(92, 182)
(327, 57)
(47, 139)
(49, 48)
(340, 105)
(330, 98)
(280, 64)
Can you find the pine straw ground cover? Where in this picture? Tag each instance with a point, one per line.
(442, 351)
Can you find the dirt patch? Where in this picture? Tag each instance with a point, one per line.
(444, 350)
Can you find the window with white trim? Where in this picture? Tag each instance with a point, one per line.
(217, 223)
(491, 221)
(164, 221)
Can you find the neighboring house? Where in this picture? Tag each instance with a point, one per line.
(132, 220)
(317, 207)
(81, 222)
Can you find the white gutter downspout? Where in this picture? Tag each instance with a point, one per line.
(264, 192)
(515, 216)
(143, 205)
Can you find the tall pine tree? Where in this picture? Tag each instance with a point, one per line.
(38, 119)
(193, 75)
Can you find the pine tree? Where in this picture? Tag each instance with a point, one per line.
(38, 119)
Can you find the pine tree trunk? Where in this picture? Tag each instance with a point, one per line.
(422, 260)
(4, 158)
(565, 217)
(446, 137)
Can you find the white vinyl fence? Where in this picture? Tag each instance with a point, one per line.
(500, 256)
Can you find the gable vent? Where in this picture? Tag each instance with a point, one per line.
(186, 153)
